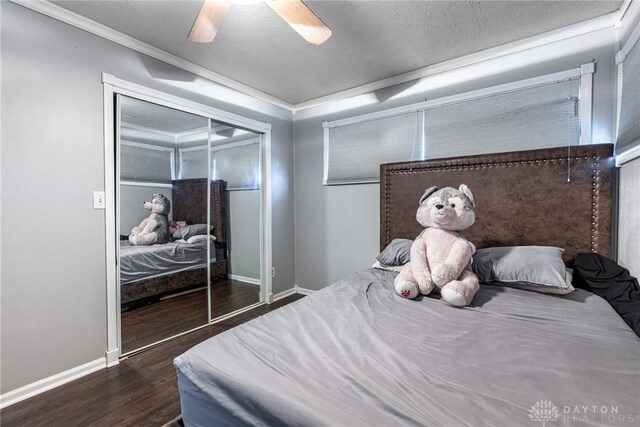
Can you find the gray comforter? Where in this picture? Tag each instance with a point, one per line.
(145, 262)
(356, 354)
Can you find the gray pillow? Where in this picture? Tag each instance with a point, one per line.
(398, 252)
(526, 267)
(191, 230)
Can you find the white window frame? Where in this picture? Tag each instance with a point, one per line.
(585, 107)
(633, 152)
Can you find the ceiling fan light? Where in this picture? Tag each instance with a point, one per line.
(245, 2)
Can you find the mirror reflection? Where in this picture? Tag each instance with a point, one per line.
(236, 160)
(163, 226)
(189, 219)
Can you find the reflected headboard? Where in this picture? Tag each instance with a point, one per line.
(190, 203)
(522, 198)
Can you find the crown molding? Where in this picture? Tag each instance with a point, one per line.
(606, 21)
(553, 36)
(623, 9)
(64, 15)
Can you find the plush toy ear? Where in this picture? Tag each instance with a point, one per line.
(467, 192)
(428, 192)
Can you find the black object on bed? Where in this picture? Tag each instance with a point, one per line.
(605, 278)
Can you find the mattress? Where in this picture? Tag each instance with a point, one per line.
(356, 354)
(146, 262)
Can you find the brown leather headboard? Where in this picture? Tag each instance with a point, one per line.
(190, 203)
(522, 198)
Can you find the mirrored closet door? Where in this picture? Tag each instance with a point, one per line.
(235, 161)
(189, 214)
(163, 226)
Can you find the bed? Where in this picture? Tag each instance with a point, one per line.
(150, 272)
(356, 354)
(146, 262)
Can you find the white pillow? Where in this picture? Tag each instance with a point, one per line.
(394, 268)
(197, 239)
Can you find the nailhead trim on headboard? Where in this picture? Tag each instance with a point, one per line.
(601, 162)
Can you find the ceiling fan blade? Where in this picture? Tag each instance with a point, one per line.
(209, 20)
(301, 19)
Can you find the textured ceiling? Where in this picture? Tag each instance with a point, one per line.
(146, 116)
(153, 116)
(371, 40)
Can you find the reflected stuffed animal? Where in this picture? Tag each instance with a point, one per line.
(155, 228)
(440, 255)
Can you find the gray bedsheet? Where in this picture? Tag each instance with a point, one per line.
(145, 262)
(355, 354)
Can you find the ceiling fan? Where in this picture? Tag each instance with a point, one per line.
(297, 15)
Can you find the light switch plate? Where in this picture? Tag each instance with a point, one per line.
(98, 200)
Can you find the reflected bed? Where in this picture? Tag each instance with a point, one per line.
(147, 262)
(150, 272)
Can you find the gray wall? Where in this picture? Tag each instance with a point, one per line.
(337, 227)
(132, 211)
(244, 236)
(53, 276)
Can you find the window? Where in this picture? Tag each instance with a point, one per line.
(535, 113)
(628, 134)
(356, 150)
(238, 164)
(146, 163)
(193, 162)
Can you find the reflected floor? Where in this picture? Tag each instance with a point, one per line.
(175, 314)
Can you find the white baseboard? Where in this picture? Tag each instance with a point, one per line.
(303, 291)
(283, 294)
(30, 390)
(244, 279)
(112, 357)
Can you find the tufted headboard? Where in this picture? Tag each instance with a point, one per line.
(190, 203)
(522, 198)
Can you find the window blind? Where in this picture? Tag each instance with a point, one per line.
(239, 166)
(540, 115)
(139, 163)
(629, 113)
(537, 117)
(193, 163)
(355, 151)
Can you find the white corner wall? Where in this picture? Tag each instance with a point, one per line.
(53, 308)
(629, 218)
(337, 227)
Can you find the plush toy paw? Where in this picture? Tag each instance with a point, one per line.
(443, 274)
(455, 294)
(407, 289)
(136, 239)
(425, 284)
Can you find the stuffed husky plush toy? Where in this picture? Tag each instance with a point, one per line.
(155, 228)
(440, 255)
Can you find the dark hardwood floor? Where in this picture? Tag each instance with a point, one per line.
(142, 390)
(151, 323)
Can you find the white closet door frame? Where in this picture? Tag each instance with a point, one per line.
(113, 86)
